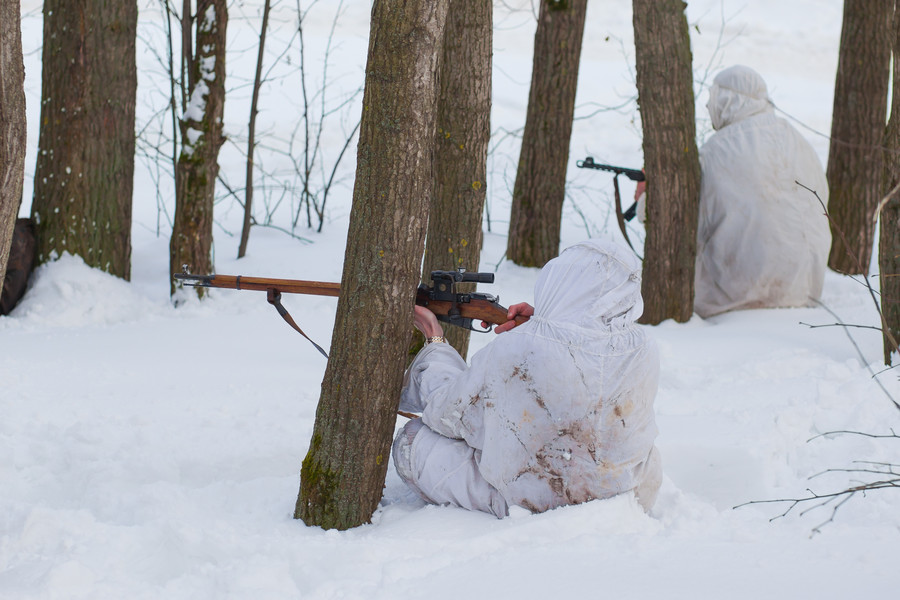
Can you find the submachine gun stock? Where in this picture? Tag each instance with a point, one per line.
(462, 309)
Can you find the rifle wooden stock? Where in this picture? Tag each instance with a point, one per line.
(476, 307)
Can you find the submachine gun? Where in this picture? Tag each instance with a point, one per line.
(632, 174)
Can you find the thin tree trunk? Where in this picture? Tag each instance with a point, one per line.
(464, 108)
(857, 132)
(889, 242)
(671, 159)
(12, 125)
(540, 188)
(201, 131)
(343, 474)
(251, 137)
(889, 267)
(187, 71)
(84, 176)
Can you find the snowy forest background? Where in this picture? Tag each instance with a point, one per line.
(154, 452)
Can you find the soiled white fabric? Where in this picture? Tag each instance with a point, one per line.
(763, 240)
(557, 411)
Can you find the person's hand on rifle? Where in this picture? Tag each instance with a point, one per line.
(640, 200)
(522, 308)
(640, 189)
(426, 322)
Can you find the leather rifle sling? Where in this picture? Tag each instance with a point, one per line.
(274, 298)
(620, 218)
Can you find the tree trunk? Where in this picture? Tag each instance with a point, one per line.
(201, 134)
(857, 131)
(540, 187)
(889, 265)
(12, 125)
(251, 132)
(671, 160)
(889, 242)
(460, 151)
(343, 474)
(84, 176)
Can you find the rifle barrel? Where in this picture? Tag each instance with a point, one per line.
(262, 284)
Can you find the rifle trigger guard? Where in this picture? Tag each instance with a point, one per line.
(490, 328)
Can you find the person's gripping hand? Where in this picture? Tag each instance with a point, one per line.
(640, 189)
(521, 309)
(426, 322)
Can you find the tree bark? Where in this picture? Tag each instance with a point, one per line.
(84, 176)
(455, 236)
(343, 474)
(540, 187)
(857, 131)
(12, 125)
(671, 159)
(201, 134)
(889, 241)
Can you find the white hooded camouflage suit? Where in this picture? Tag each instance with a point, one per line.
(557, 411)
(762, 239)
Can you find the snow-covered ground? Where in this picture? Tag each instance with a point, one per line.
(153, 452)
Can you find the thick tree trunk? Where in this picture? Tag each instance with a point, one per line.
(889, 242)
(84, 176)
(343, 474)
(857, 130)
(540, 187)
(201, 131)
(460, 152)
(671, 160)
(12, 125)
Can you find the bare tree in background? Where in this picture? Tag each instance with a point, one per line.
(889, 242)
(460, 150)
(671, 159)
(343, 474)
(84, 176)
(201, 134)
(12, 125)
(540, 187)
(857, 132)
(251, 136)
(308, 154)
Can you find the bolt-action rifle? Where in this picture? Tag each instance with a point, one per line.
(632, 174)
(450, 306)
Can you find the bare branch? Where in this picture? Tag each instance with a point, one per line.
(841, 325)
(861, 355)
(849, 432)
(884, 201)
(885, 329)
